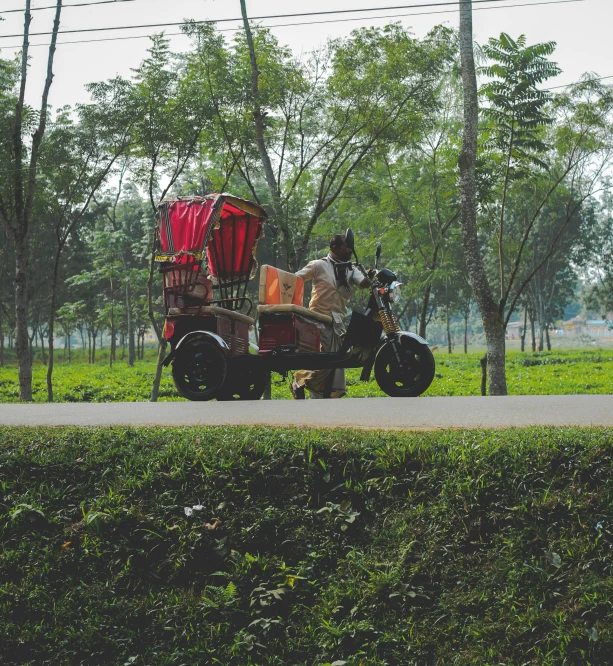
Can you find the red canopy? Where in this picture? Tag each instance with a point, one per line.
(226, 226)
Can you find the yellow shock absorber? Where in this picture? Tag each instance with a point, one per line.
(389, 322)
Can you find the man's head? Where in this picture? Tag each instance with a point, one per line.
(338, 246)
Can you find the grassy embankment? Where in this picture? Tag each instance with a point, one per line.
(558, 372)
(305, 548)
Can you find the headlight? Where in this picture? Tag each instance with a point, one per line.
(395, 288)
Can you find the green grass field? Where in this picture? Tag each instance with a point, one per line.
(558, 372)
(264, 547)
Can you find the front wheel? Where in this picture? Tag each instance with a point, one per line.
(199, 369)
(409, 378)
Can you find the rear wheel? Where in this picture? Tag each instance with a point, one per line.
(244, 385)
(409, 378)
(199, 369)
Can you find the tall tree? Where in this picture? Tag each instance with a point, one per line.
(78, 158)
(170, 115)
(322, 116)
(16, 207)
(517, 109)
(493, 324)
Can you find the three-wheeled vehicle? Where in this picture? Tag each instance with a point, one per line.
(206, 248)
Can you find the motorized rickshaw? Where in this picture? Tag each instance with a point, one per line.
(206, 251)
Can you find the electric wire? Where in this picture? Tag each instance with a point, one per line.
(257, 18)
(274, 16)
(284, 25)
(78, 4)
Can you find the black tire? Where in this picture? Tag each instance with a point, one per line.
(199, 369)
(246, 385)
(414, 376)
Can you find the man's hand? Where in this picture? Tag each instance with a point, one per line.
(365, 284)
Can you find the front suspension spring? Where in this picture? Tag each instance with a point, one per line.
(389, 322)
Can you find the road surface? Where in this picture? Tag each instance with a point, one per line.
(371, 413)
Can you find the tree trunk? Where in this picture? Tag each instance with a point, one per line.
(113, 341)
(42, 346)
(69, 336)
(131, 351)
(483, 362)
(532, 332)
(258, 119)
(547, 337)
(541, 323)
(423, 317)
(94, 335)
(1, 338)
(466, 334)
(448, 332)
(22, 340)
(524, 329)
(493, 324)
(155, 390)
(51, 326)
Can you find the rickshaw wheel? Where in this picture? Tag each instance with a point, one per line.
(249, 385)
(415, 375)
(199, 370)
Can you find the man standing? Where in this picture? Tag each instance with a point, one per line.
(334, 281)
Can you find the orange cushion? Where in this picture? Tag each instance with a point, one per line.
(278, 287)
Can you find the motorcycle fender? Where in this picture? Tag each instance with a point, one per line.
(367, 369)
(415, 337)
(217, 339)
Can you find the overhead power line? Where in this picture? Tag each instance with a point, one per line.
(275, 16)
(574, 83)
(284, 25)
(257, 18)
(78, 4)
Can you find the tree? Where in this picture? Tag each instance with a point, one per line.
(321, 117)
(492, 320)
(17, 196)
(170, 115)
(518, 115)
(78, 158)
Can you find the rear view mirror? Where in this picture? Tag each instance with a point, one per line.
(377, 254)
(350, 239)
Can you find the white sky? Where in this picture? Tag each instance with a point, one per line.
(581, 29)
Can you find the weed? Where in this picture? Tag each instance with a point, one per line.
(305, 547)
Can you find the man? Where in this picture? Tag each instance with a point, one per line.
(334, 281)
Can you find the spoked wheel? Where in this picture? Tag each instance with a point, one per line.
(199, 369)
(412, 376)
(244, 385)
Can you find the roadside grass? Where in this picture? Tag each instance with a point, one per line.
(544, 373)
(305, 547)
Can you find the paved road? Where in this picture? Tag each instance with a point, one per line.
(386, 413)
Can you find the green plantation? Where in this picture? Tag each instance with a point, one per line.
(275, 547)
(547, 373)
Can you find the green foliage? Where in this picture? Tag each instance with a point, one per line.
(517, 108)
(305, 547)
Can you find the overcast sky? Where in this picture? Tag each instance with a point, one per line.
(581, 29)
